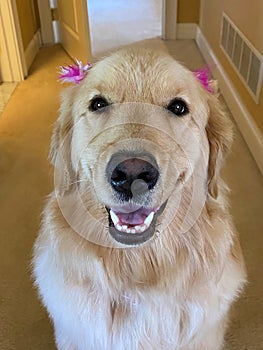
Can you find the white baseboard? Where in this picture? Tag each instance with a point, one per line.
(186, 30)
(244, 120)
(56, 31)
(32, 49)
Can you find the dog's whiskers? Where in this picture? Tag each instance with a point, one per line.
(78, 181)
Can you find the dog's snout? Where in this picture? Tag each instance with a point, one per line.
(132, 177)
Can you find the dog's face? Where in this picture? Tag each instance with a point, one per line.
(139, 142)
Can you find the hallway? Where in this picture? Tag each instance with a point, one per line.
(117, 23)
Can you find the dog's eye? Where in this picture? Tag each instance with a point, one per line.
(98, 103)
(178, 107)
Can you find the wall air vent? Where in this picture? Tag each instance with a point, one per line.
(246, 60)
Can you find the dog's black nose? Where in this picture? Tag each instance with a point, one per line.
(133, 176)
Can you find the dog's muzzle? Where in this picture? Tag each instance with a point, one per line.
(132, 177)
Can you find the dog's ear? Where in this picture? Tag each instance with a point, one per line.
(60, 147)
(220, 134)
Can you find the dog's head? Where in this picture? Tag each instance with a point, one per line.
(137, 145)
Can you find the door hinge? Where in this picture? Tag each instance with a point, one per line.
(54, 14)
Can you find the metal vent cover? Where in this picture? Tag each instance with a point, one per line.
(244, 57)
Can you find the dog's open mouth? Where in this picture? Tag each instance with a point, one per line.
(133, 228)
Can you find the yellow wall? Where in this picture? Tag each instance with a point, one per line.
(248, 17)
(188, 11)
(28, 19)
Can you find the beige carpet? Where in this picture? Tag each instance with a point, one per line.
(6, 90)
(26, 177)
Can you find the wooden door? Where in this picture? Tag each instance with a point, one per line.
(74, 29)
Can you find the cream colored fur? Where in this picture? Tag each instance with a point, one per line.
(175, 290)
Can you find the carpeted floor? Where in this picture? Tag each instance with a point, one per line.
(26, 178)
(6, 90)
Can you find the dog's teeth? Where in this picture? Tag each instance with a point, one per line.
(114, 217)
(122, 228)
(149, 219)
(118, 227)
(140, 228)
(133, 230)
(143, 228)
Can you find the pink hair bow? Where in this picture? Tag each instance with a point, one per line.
(204, 76)
(73, 73)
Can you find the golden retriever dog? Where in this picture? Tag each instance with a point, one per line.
(137, 248)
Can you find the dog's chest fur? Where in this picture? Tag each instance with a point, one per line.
(133, 321)
(96, 317)
(162, 323)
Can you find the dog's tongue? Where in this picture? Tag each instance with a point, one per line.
(135, 218)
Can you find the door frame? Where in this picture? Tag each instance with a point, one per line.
(12, 63)
(46, 24)
(169, 19)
